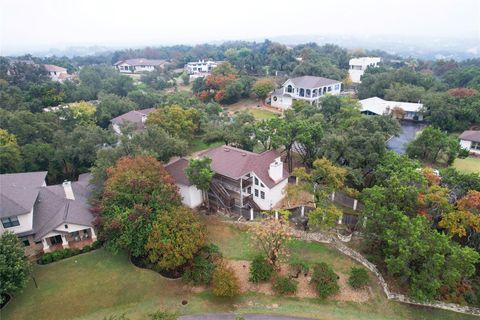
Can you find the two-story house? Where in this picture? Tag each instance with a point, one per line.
(139, 65)
(307, 88)
(57, 73)
(46, 218)
(357, 67)
(200, 68)
(242, 179)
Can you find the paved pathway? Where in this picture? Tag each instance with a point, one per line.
(232, 316)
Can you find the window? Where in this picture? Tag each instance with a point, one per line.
(56, 240)
(262, 195)
(337, 86)
(475, 145)
(289, 88)
(66, 226)
(256, 193)
(256, 181)
(25, 241)
(10, 222)
(329, 89)
(262, 185)
(249, 190)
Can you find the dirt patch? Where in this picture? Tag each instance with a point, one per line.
(305, 290)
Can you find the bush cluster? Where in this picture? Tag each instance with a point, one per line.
(358, 277)
(201, 268)
(284, 285)
(325, 280)
(224, 281)
(260, 270)
(50, 257)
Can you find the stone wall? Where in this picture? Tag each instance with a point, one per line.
(337, 244)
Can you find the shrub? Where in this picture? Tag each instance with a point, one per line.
(284, 285)
(201, 269)
(162, 315)
(297, 267)
(325, 280)
(260, 270)
(87, 248)
(96, 245)
(224, 281)
(358, 277)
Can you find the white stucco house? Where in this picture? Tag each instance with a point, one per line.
(401, 110)
(139, 65)
(191, 196)
(470, 140)
(46, 218)
(242, 179)
(357, 67)
(57, 73)
(200, 68)
(307, 88)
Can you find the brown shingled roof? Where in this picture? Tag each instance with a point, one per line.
(471, 135)
(234, 163)
(177, 170)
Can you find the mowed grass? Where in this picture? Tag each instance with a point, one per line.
(262, 114)
(198, 145)
(467, 165)
(99, 284)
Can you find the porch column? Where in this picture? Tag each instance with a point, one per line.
(333, 196)
(340, 220)
(64, 241)
(251, 214)
(355, 203)
(241, 192)
(46, 247)
(276, 215)
(94, 235)
(302, 211)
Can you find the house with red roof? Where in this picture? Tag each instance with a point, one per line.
(242, 179)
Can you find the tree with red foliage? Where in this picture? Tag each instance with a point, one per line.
(462, 92)
(135, 190)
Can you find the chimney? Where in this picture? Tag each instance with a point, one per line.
(67, 188)
(276, 170)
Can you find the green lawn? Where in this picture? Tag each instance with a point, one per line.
(467, 165)
(262, 114)
(99, 284)
(198, 145)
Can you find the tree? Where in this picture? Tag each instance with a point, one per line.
(176, 236)
(432, 144)
(224, 281)
(465, 219)
(200, 174)
(10, 157)
(262, 87)
(111, 106)
(175, 120)
(79, 113)
(14, 267)
(136, 189)
(271, 235)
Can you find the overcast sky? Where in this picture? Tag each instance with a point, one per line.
(43, 24)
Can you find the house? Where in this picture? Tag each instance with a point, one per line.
(401, 110)
(57, 73)
(46, 218)
(307, 88)
(357, 67)
(139, 65)
(242, 179)
(470, 140)
(134, 117)
(200, 68)
(191, 196)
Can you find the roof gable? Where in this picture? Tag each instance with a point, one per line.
(311, 82)
(19, 191)
(470, 135)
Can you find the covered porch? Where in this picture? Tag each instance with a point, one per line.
(62, 240)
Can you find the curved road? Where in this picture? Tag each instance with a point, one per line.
(232, 316)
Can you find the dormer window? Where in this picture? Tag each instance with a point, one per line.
(256, 181)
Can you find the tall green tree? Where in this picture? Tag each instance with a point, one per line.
(432, 145)
(14, 266)
(200, 174)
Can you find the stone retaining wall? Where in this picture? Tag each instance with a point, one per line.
(337, 244)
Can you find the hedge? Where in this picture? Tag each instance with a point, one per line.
(54, 256)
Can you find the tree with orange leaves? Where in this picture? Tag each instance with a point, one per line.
(136, 189)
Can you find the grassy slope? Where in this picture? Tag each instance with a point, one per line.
(98, 284)
(467, 165)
